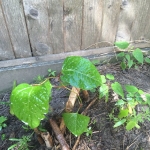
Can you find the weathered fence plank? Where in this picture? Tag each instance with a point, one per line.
(72, 24)
(141, 24)
(92, 23)
(13, 11)
(111, 11)
(126, 18)
(36, 12)
(55, 13)
(6, 50)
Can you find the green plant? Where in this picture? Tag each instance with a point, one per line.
(22, 143)
(3, 137)
(126, 106)
(30, 103)
(2, 122)
(130, 56)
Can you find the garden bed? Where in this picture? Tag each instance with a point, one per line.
(104, 136)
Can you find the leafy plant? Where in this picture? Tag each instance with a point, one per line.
(130, 56)
(104, 88)
(31, 102)
(3, 137)
(2, 122)
(22, 143)
(126, 106)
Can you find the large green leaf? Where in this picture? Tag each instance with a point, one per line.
(80, 72)
(76, 123)
(30, 102)
(138, 55)
(122, 44)
(117, 88)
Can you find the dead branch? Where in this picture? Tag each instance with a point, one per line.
(72, 98)
(85, 95)
(59, 135)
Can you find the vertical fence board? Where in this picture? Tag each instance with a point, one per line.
(126, 18)
(141, 24)
(13, 11)
(92, 20)
(72, 24)
(6, 50)
(36, 12)
(111, 10)
(55, 13)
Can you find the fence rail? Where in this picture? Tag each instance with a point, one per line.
(40, 27)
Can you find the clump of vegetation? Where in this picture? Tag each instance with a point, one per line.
(130, 57)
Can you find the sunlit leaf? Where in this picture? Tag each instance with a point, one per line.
(103, 91)
(122, 44)
(81, 73)
(76, 123)
(103, 79)
(119, 123)
(31, 102)
(130, 125)
(123, 113)
(110, 76)
(120, 102)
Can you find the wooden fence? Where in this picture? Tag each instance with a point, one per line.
(45, 27)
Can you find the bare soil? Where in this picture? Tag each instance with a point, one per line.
(104, 136)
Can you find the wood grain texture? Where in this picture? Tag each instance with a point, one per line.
(36, 12)
(13, 11)
(92, 23)
(55, 14)
(141, 24)
(72, 24)
(6, 50)
(111, 10)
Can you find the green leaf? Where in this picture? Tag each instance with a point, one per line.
(130, 63)
(117, 88)
(122, 54)
(30, 102)
(147, 60)
(80, 72)
(103, 91)
(131, 89)
(122, 44)
(120, 102)
(2, 119)
(76, 123)
(123, 113)
(110, 76)
(123, 66)
(130, 125)
(103, 79)
(127, 57)
(138, 55)
(119, 123)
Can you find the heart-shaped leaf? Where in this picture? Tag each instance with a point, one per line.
(76, 123)
(117, 88)
(138, 55)
(30, 102)
(81, 73)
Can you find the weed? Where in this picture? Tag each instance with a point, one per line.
(2, 122)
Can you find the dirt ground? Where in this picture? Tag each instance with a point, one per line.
(104, 136)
